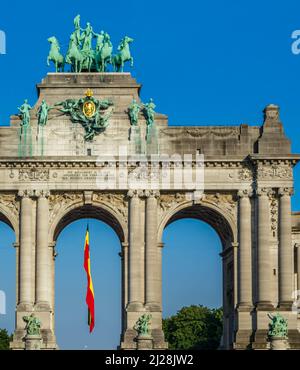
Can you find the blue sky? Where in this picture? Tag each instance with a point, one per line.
(204, 63)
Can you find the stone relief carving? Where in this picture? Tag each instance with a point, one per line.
(168, 201)
(274, 171)
(117, 201)
(274, 213)
(245, 174)
(226, 202)
(10, 201)
(57, 202)
(34, 174)
(202, 133)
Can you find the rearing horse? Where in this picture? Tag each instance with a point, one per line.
(124, 55)
(55, 55)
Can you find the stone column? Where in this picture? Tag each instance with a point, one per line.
(43, 261)
(152, 253)
(245, 255)
(286, 252)
(264, 256)
(297, 246)
(136, 280)
(26, 257)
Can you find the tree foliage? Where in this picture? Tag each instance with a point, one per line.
(5, 338)
(194, 328)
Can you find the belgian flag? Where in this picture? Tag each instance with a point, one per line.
(90, 297)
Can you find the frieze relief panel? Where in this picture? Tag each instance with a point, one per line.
(58, 202)
(116, 201)
(10, 202)
(274, 172)
(225, 202)
(34, 174)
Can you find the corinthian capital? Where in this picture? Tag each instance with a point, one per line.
(152, 194)
(245, 193)
(286, 192)
(135, 193)
(42, 193)
(264, 192)
(25, 193)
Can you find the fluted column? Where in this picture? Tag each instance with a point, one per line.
(264, 253)
(286, 252)
(43, 258)
(152, 251)
(135, 272)
(244, 251)
(25, 265)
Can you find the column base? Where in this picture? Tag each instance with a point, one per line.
(243, 340)
(42, 307)
(285, 306)
(135, 307)
(265, 306)
(261, 340)
(153, 307)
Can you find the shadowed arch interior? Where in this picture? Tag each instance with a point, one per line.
(88, 212)
(206, 214)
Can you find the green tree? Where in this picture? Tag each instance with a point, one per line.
(194, 328)
(5, 338)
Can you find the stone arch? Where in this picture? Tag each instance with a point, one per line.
(100, 211)
(223, 220)
(11, 219)
(219, 219)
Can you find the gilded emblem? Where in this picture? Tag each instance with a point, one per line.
(89, 107)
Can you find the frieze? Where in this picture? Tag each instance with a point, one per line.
(275, 171)
(34, 174)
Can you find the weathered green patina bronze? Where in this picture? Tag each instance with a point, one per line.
(278, 327)
(55, 56)
(83, 57)
(134, 111)
(149, 110)
(91, 113)
(25, 114)
(124, 55)
(42, 113)
(143, 325)
(33, 325)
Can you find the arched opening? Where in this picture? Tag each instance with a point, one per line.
(7, 275)
(198, 264)
(106, 238)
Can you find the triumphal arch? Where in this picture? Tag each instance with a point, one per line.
(89, 148)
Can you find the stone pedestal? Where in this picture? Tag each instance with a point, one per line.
(145, 343)
(136, 140)
(33, 342)
(279, 344)
(152, 140)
